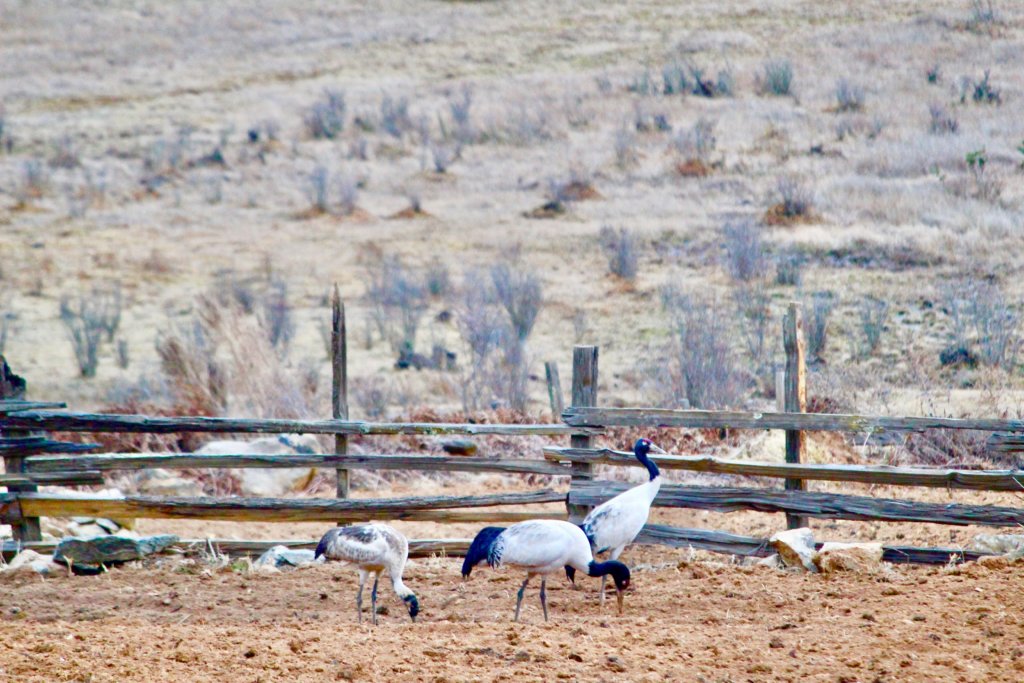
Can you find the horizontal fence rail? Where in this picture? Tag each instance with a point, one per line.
(426, 508)
(978, 480)
(13, 406)
(454, 547)
(138, 461)
(810, 422)
(733, 544)
(825, 505)
(64, 478)
(93, 422)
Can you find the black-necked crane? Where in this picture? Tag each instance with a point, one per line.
(373, 549)
(542, 547)
(613, 524)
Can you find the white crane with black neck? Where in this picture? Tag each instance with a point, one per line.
(613, 524)
(542, 547)
(373, 549)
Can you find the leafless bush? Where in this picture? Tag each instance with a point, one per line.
(753, 304)
(953, 448)
(849, 95)
(980, 91)
(643, 84)
(644, 120)
(276, 317)
(698, 142)
(165, 158)
(519, 291)
(817, 313)
(624, 144)
(942, 121)
(705, 371)
(85, 320)
(438, 279)
(460, 105)
(496, 374)
(675, 80)
(995, 323)
(621, 248)
(795, 197)
(121, 354)
(788, 268)
(984, 17)
(373, 395)
(65, 155)
(326, 118)
(443, 155)
(744, 250)
(873, 314)
(394, 116)
(398, 301)
(776, 78)
(33, 182)
(318, 188)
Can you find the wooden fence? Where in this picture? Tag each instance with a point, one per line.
(33, 459)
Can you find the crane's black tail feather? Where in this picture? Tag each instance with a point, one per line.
(480, 548)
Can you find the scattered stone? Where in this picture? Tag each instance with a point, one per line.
(1001, 544)
(30, 560)
(835, 557)
(795, 548)
(459, 446)
(773, 561)
(615, 664)
(105, 550)
(283, 557)
(269, 482)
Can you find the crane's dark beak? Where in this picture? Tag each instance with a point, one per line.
(657, 449)
(619, 595)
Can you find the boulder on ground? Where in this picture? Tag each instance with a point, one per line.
(795, 548)
(283, 557)
(1001, 544)
(29, 560)
(836, 557)
(104, 550)
(162, 482)
(269, 482)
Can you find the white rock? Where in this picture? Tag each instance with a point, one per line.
(795, 548)
(6, 531)
(833, 557)
(283, 557)
(161, 482)
(30, 560)
(1003, 544)
(773, 561)
(269, 482)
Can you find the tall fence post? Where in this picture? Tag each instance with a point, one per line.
(795, 396)
(554, 389)
(339, 383)
(26, 529)
(584, 395)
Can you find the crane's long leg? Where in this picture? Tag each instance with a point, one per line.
(373, 598)
(359, 595)
(519, 598)
(544, 596)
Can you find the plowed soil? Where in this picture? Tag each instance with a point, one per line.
(686, 619)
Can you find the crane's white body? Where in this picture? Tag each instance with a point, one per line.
(542, 547)
(615, 523)
(373, 549)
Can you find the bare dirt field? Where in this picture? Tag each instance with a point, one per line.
(685, 620)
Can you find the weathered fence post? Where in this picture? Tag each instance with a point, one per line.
(795, 396)
(339, 383)
(584, 395)
(554, 389)
(27, 529)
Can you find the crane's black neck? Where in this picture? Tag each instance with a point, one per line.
(652, 469)
(618, 571)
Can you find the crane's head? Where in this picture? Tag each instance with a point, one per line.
(413, 604)
(644, 446)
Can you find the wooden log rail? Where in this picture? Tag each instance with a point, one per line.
(453, 547)
(84, 477)
(137, 461)
(579, 417)
(94, 422)
(823, 505)
(977, 480)
(656, 534)
(428, 508)
(16, 406)
(733, 544)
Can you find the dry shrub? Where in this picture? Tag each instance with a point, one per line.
(795, 204)
(693, 168)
